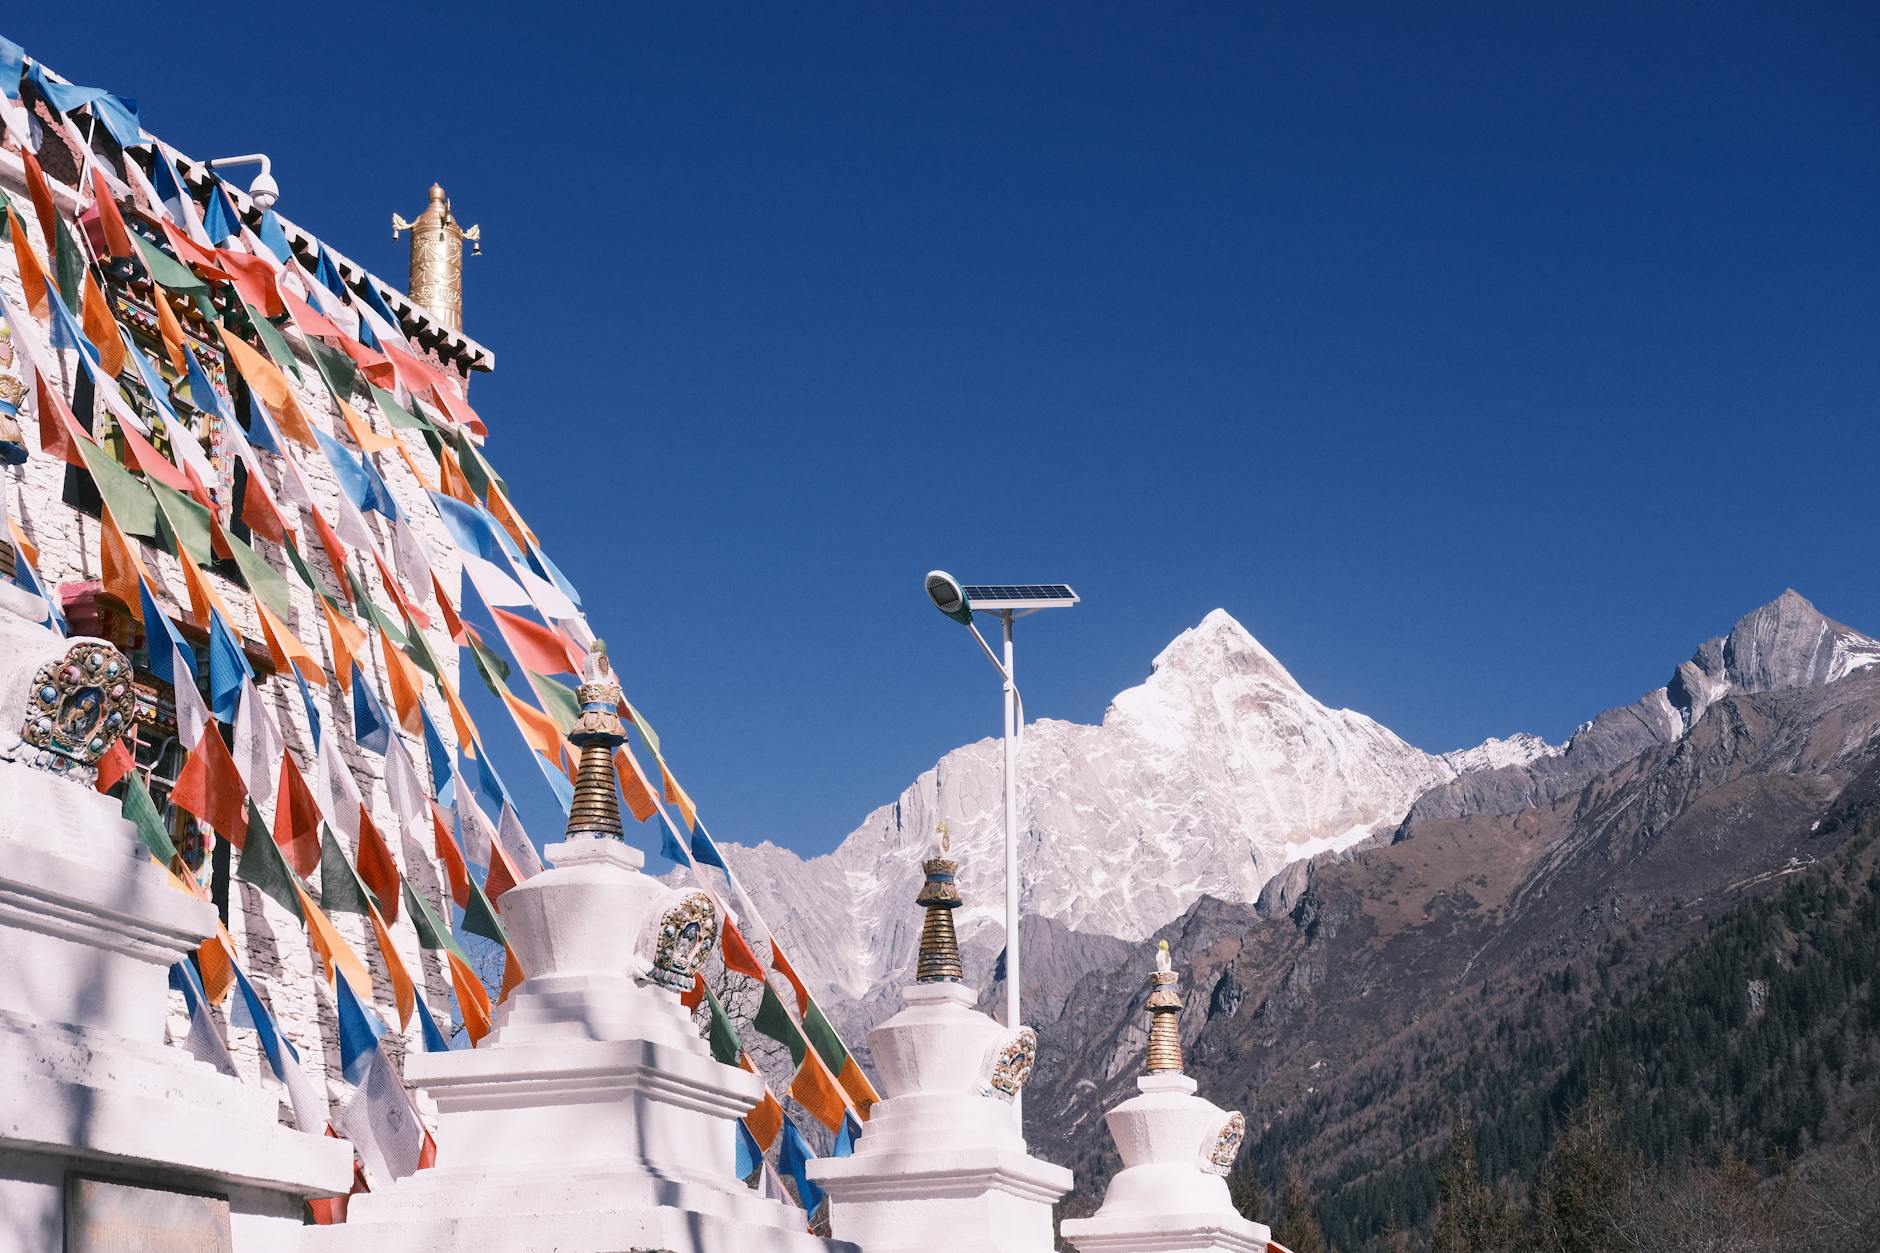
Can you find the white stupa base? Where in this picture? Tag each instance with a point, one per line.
(592, 1119)
(1165, 1199)
(89, 926)
(984, 1200)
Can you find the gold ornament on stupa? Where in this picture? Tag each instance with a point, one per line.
(1165, 1007)
(597, 732)
(939, 896)
(437, 258)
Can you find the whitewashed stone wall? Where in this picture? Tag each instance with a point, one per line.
(271, 945)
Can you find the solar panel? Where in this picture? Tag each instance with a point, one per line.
(1020, 595)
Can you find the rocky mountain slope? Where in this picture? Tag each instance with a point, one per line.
(1203, 781)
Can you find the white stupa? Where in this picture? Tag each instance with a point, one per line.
(1171, 1195)
(943, 1163)
(592, 1119)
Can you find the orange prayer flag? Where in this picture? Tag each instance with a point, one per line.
(268, 383)
(737, 952)
(119, 569)
(59, 431)
(335, 551)
(255, 279)
(377, 870)
(336, 955)
(512, 973)
(404, 991)
(633, 787)
(33, 284)
(216, 962)
(402, 677)
(345, 638)
(117, 238)
(361, 431)
(286, 648)
(450, 479)
(170, 329)
(781, 965)
(472, 1000)
(676, 795)
(447, 852)
(765, 1122)
(296, 818)
(540, 730)
(202, 597)
(210, 787)
(693, 996)
(40, 191)
(190, 252)
(26, 546)
(459, 715)
(815, 1089)
(100, 327)
(860, 1091)
(512, 522)
(397, 591)
(456, 408)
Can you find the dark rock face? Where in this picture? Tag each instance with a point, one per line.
(1787, 643)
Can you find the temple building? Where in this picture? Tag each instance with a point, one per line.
(283, 965)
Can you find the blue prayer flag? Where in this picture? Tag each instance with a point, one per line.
(703, 850)
(118, 113)
(359, 1032)
(794, 1157)
(328, 275)
(669, 846)
(221, 221)
(228, 669)
(272, 1041)
(557, 783)
(359, 480)
(371, 727)
(436, 754)
(373, 298)
(846, 1138)
(162, 644)
(750, 1159)
(204, 396)
(434, 1041)
(272, 234)
(12, 60)
(306, 698)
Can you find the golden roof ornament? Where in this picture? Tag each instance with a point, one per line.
(437, 258)
(1165, 1007)
(939, 896)
(597, 732)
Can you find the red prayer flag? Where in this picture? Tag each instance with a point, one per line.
(782, 966)
(59, 431)
(452, 857)
(113, 766)
(377, 870)
(694, 995)
(296, 817)
(153, 463)
(539, 648)
(117, 238)
(503, 874)
(41, 193)
(737, 952)
(210, 787)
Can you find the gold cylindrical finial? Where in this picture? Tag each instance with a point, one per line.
(595, 810)
(437, 258)
(939, 896)
(1165, 1007)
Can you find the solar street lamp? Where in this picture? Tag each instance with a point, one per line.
(1006, 602)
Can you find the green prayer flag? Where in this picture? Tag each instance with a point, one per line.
(336, 369)
(69, 264)
(132, 506)
(304, 572)
(492, 668)
(341, 891)
(170, 274)
(558, 700)
(646, 729)
(267, 583)
(823, 1037)
(141, 812)
(432, 933)
(186, 521)
(726, 1047)
(272, 340)
(261, 864)
(773, 1020)
(479, 917)
(397, 414)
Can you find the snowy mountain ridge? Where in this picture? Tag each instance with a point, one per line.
(1206, 779)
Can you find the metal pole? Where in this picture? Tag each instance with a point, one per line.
(1012, 1020)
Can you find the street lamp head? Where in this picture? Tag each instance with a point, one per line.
(949, 597)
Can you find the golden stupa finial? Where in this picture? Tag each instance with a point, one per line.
(1165, 1007)
(597, 732)
(939, 896)
(437, 257)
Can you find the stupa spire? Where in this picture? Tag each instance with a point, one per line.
(939, 896)
(1165, 1007)
(597, 731)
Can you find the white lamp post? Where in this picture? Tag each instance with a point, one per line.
(1005, 601)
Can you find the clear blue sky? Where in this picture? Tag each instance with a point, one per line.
(1481, 359)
